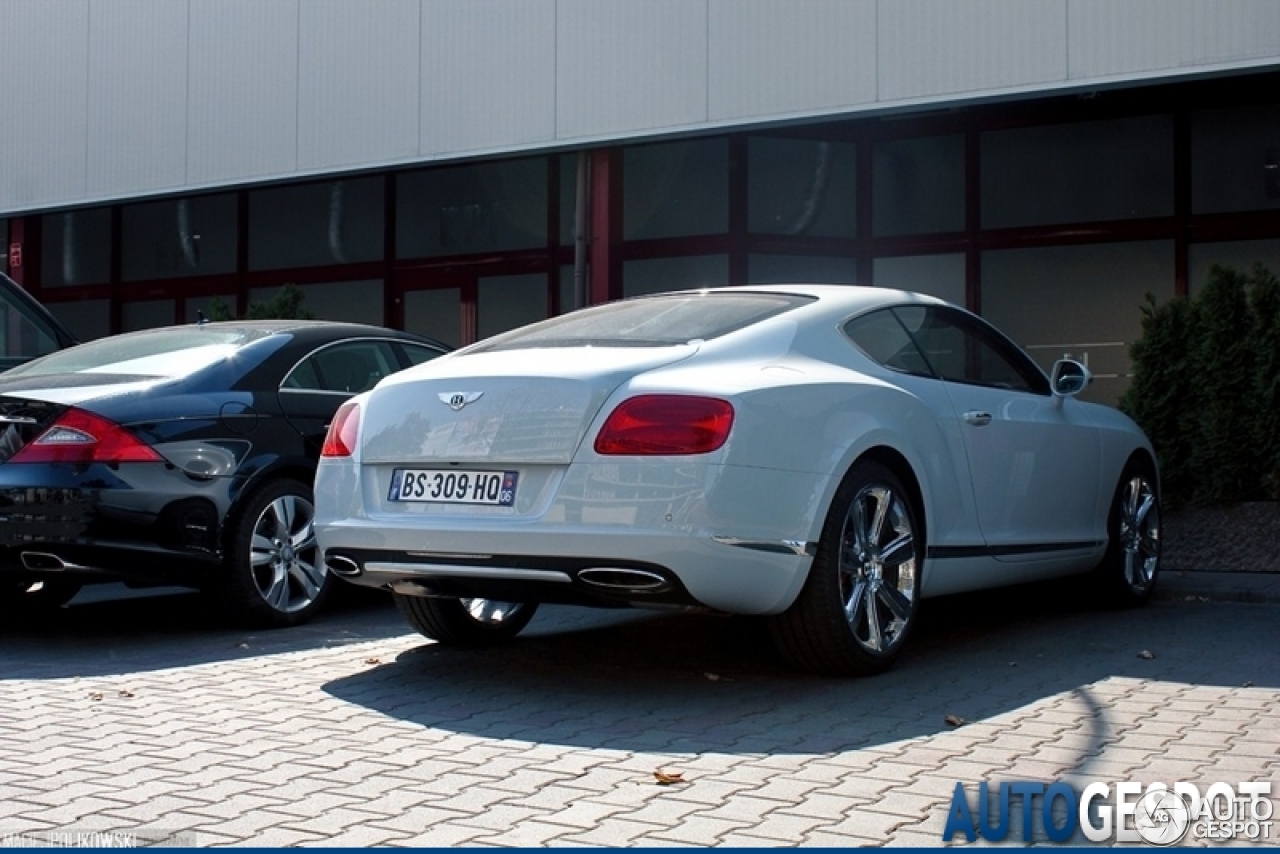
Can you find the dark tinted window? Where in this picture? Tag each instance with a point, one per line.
(945, 343)
(418, 354)
(659, 321)
(882, 337)
(24, 333)
(347, 368)
(961, 348)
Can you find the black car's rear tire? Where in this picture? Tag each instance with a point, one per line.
(273, 577)
(466, 622)
(861, 599)
(1128, 571)
(44, 594)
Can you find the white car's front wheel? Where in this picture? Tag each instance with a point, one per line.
(1128, 571)
(861, 599)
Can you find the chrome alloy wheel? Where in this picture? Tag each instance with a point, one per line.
(491, 612)
(877, 568)
(1138, 526)
(282, 554)
(465, 622)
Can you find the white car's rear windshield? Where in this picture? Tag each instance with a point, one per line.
(657, 321)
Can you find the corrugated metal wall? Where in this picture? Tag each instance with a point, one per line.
(108, 99)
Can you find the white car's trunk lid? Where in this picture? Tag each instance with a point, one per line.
(516, 406)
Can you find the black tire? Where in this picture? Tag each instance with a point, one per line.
(1128, 571)
(862, 597)
(44, 594)
(466, 622)
(272, 574)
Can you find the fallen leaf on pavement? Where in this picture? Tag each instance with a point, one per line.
(668, 778)
(1147, 654)
(955, 720)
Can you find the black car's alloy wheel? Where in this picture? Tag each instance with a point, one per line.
(466, 622)
(273, 575)
(861, 599)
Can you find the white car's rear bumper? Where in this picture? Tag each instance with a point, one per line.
(660, 532)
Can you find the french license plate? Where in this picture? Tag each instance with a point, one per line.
(454, 486)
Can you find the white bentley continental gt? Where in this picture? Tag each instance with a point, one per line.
(824, 455)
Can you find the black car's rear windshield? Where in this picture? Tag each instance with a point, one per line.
(657, 321)
(151, 353)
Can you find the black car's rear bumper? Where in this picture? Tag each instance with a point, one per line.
(148, 523)
(89, 562)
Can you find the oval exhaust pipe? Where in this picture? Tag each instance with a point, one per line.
(630, 580)
(340, 565)
(43, 561)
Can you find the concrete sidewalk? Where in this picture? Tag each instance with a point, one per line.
(1219, 586)
(140, 718)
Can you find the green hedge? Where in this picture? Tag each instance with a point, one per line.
(286, 304)
(1206, 388)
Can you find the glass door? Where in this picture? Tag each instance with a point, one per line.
(459, 306)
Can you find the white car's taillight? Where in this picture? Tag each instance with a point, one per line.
(344, 431)
(666, 424)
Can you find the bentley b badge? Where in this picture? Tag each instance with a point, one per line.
(455, 400)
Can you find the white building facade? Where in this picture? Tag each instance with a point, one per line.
(446, 166)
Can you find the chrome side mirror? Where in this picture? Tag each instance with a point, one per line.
(1069, 378)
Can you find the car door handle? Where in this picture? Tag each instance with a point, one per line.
(977, 419)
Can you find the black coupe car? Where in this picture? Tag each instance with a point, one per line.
(181, 456)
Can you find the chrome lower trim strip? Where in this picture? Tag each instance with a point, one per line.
(431, 570)
(799, 548)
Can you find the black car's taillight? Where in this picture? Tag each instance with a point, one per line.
(78, 436)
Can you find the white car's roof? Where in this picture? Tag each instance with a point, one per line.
(847, 296)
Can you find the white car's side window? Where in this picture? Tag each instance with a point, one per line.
(882, 337)
(961, 348)
(944, 343)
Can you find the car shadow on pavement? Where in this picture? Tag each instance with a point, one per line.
(685, 683)
(109, 629)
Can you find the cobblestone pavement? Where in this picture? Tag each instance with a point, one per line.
(144, 717)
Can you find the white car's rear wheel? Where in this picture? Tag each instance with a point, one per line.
(861, 599)
(466, 622)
